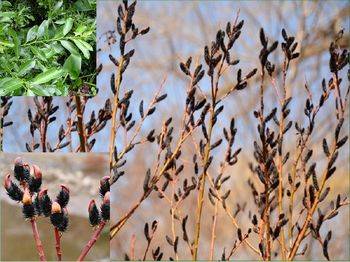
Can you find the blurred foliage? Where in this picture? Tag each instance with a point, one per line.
(46, 47)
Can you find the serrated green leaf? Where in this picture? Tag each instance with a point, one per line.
(82, 48)
(47, 76)
(84, 5)
(69, 46)
(6, 43)
(67, 26)
(15, 40)
(8, 85)
(72, 66)
(81, 29)
(26, 67)
(58, 5)
(38, 91)
(32, 33)
(87, 45)
(42, 30)
(60, 21)
(57, 47)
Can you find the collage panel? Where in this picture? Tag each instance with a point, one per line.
(54, 207)
(47, 48)
(229, 133)
(214, 130)
(55, 124)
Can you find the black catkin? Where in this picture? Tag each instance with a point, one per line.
(104, 185)
(13, 190)
(105, 207)
(94, 214)
(63, 196)
(45, 202)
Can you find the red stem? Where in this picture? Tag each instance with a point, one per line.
(39, 246)
(92, 241)
(58, 244)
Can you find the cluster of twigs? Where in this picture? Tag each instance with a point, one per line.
(36, 203)
(279, 224)
(44, 114)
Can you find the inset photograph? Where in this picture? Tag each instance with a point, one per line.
(54, 124)
(54, 207)
(47, 48)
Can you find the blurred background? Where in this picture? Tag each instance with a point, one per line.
(81, 173)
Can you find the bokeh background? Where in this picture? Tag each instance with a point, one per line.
(81, 173)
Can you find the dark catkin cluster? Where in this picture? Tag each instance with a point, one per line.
(29, 184)
(36, 201)
(96, 215)
(39, 122)
(126, 32)
(59, 217)
(44, 114)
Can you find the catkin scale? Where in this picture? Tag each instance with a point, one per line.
(63, 196)
(94, 214)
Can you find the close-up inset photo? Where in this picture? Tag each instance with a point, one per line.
(54, 207)
(47, 48)
(54, 124)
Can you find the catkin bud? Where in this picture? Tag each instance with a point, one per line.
(94, 214)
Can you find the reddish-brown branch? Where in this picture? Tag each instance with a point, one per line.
(92, 241)
(58, 244)
(38, 243)
(81, 129)
(43, 132)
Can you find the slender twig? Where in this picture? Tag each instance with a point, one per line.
(311, 211)
(92, 241)
(213, 235)
(58, 244)
(117, 226)
(80, 122)
(280, 157)
(38, 243)
(132, 246)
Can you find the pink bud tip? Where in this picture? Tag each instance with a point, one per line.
(18, 161)
(7, 181)
(104, 179)
(43, 192)
(37, 172)
(91, 205)
(106, 198)
(64, 188)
